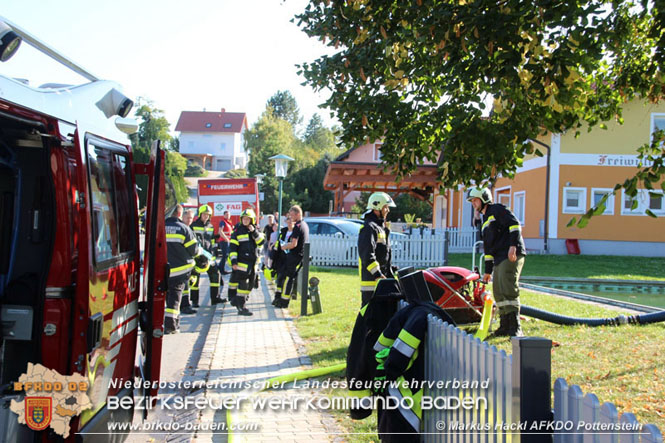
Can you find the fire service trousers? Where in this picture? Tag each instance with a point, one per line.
(285, 280)
(215, 285)
(506, 285)
(173, 296)
(240, 285)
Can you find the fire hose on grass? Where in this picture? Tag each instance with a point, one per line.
(641, 319)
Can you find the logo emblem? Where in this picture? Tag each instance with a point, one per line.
(38, 412)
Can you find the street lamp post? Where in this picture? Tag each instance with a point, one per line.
(259, 181)
(281, 167)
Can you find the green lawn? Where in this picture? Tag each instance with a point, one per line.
(619, 364)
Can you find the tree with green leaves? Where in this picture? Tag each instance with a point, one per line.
(305, 187)
(269, 136)
(423, 75)
(154, 126)
(284, 106)
(404, 204)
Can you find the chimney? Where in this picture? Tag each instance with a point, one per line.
(223, 110)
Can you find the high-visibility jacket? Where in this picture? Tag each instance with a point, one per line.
(500, 231)
(243, 247)
(205, 232)
(360, 361)
(182, 247)
(374, 252)
(399, 351)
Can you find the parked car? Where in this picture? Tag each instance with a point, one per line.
(347, 228)
(343, 227)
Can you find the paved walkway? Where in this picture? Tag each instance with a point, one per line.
(242, 352)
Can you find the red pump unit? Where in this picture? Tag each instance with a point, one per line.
(458, 291)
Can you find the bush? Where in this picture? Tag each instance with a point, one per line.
(195, 170)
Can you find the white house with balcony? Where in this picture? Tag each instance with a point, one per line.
(214, 140)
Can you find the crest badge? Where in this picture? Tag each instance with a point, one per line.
(38, 412)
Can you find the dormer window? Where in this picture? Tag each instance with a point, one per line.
(208, 125)
(227, 125)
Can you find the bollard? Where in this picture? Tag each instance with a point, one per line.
(314, 295)
(531, 377)
(304, 277)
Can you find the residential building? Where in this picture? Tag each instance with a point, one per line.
(581, 171)
(360, 170)
(214, 140)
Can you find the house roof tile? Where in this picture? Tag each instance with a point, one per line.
(200, 121)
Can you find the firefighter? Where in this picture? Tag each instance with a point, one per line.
(243, 255)
(360, 357)
(504, 258)
(291, 241)
(182, 247)
(185, 302)
(205, 232)
(401, 363)
(374, 245)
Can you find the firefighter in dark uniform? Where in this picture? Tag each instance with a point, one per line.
(374, 245)
(205, 232)
(243, 255)
(182, 247)
(293, 254)
(399, 352)
(504, 258)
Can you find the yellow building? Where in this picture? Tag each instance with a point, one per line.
(581, 171)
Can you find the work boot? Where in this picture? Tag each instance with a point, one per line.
(282, 303)
(244, 311)
(275, 300)
(502, 330)
(515, 328)
(188, 310)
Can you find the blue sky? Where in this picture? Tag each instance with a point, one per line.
(182, 55)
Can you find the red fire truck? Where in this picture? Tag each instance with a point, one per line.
(72, 296)
(229, 194)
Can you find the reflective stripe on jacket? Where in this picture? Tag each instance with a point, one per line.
(374, 252)
(205, 232)
(182, 247)
(243, 246)
(500, 231)
(404, 366)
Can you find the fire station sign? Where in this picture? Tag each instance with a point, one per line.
(51, 399)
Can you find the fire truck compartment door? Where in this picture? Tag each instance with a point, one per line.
(155, 273)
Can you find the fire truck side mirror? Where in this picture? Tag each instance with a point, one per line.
(115, 102)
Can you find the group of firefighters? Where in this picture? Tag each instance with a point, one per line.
(192, 251)
(382, 333)
(384, 349)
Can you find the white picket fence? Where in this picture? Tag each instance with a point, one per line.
(424, 249)
(571, 406)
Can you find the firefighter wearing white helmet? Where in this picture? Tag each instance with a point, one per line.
(504, 257)
(243, 255)
(205, 232)
(374, 254)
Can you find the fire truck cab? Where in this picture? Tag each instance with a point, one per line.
(72, 296)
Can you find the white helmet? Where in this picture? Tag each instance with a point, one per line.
(483, 194)
(378, 200)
